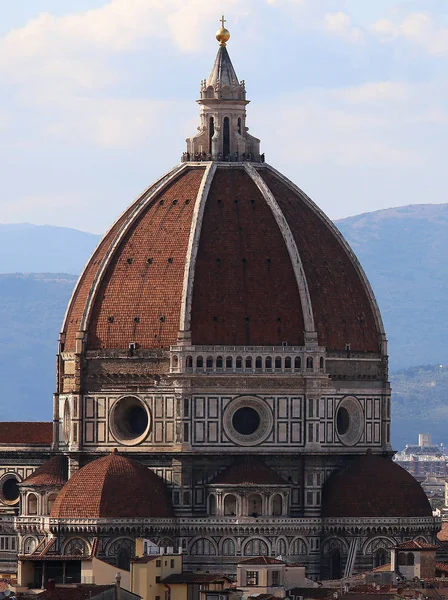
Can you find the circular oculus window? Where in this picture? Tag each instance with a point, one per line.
(349, 421)
(9, 489)
(130, 421)
(247, 421)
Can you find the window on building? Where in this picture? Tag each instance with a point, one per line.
(256, 547)
(275, 577)
(310, 498)
(297, 362)
(158, 563)
(248, 362)
(50, 501)
(157, 578)
(309, 362)
(210, 362)
(212, 505)
(288, 362)
(199, 362)
(186, 407)
(252, 578)
(230, 505)
(229, 362)
(258, 363)
(278, 362)
(410, 559)
(310, 432)
(402, 559)
(277, 505)
(239, 362)
(310, 408)
(228, 547)
(255, 505)
(203, 547)
(218, 362)
(189, 362)
(298, 547)
(268, 362)
(172, 563)
(32, 504)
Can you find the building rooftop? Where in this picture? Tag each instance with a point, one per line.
(26, 433)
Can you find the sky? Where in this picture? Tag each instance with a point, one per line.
(349, 99)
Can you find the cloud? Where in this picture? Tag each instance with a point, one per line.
(419, 28)
(340, 23)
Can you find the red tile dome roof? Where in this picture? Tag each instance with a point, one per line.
(234, 254)
(51, 473)
(374, 486)
(111, 487)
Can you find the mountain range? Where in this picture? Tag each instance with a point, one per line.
(403, 251)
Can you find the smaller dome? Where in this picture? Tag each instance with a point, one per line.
(374, 486)
(51, 473)
(111, 487)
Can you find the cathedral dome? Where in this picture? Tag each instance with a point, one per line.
(111, 487)
(223, 254)
(374, 486)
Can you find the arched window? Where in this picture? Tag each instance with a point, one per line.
(402, 559)
(210, 362)
(380, 558)
(50, 501)
(29, 545)
(258, 363)
(410, 559)
(297, 362)
(309, 362)
(255, 548)
(321, 362)
(248, 362)
(226, 138)
(281, 548)
(211, 132)
(228, 547)
(254, 505)
(298, 547)
(229, 362)
(230, 505)
(278, 362)
(199, 362)
(277, 505)
(239, 125)
(203, 547)
(288, 362)
(268, 362)
(218, 362)
(76, 547)
(189, 362)
(32, 504)
(175, 362)
(239, 362)
(212, 504)
(122, 550)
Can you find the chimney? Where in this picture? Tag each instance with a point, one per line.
(118, 586)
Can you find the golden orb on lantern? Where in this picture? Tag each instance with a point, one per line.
(223, 34)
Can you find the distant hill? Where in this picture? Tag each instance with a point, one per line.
(31, 311)
(26, 248)
(420, 404)
(404, 252)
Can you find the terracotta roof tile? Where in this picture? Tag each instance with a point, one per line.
(261, 560)
(341, 306)
(80, 592)
(416, 545)
(51, 473)
(245, 291)
(110, 487)
(374, 486)
(26, 433)
(248, 470)
(442, 536)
